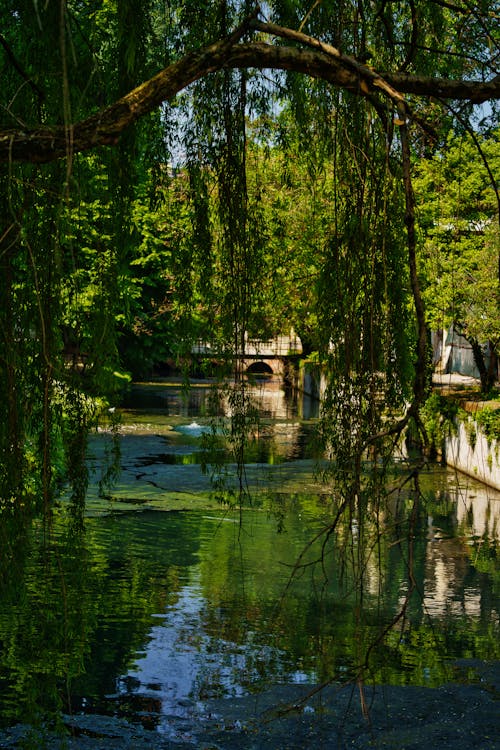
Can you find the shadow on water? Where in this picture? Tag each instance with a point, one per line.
(166, 600)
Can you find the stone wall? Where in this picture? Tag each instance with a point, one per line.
(470, 452)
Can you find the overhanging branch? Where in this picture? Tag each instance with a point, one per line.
(44, 144)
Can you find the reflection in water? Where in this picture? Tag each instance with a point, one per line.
(204, 399)
(153, 612)
(225, 636)
(181, 664)
(473, 517)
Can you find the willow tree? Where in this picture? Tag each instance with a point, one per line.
(96, 98)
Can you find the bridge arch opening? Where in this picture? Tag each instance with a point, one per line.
(260, 368)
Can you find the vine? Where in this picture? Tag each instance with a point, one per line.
(489, 421)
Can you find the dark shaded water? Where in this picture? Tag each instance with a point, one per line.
(167, 599)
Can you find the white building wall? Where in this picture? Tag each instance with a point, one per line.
(453, 353)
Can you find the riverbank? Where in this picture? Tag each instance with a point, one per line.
(461, 715)
(469, 447)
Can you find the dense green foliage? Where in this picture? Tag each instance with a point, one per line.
(252, 202)
(458, 211)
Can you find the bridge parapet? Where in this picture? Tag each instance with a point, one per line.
(279, 346)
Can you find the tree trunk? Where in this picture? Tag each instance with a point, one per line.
(486, 374)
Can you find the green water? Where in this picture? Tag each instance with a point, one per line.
(166, 599)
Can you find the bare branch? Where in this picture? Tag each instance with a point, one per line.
(36, 89)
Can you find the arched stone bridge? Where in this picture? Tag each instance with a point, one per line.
(271, 356)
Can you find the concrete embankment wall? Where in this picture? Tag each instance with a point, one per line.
(470, 452)
(312, 381)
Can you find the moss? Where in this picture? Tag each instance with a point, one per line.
(470, 427)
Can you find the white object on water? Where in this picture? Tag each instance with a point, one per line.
(194, 429)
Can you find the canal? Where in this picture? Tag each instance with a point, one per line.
(171, 594)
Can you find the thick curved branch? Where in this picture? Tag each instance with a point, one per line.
(46, 144)
(320, 65)
(366, 77)
(40, 145)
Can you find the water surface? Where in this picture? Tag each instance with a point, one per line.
(167, 599)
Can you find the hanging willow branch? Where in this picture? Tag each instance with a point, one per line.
(44, 144)
(420, 384)
(40, 145)
(369, 81)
